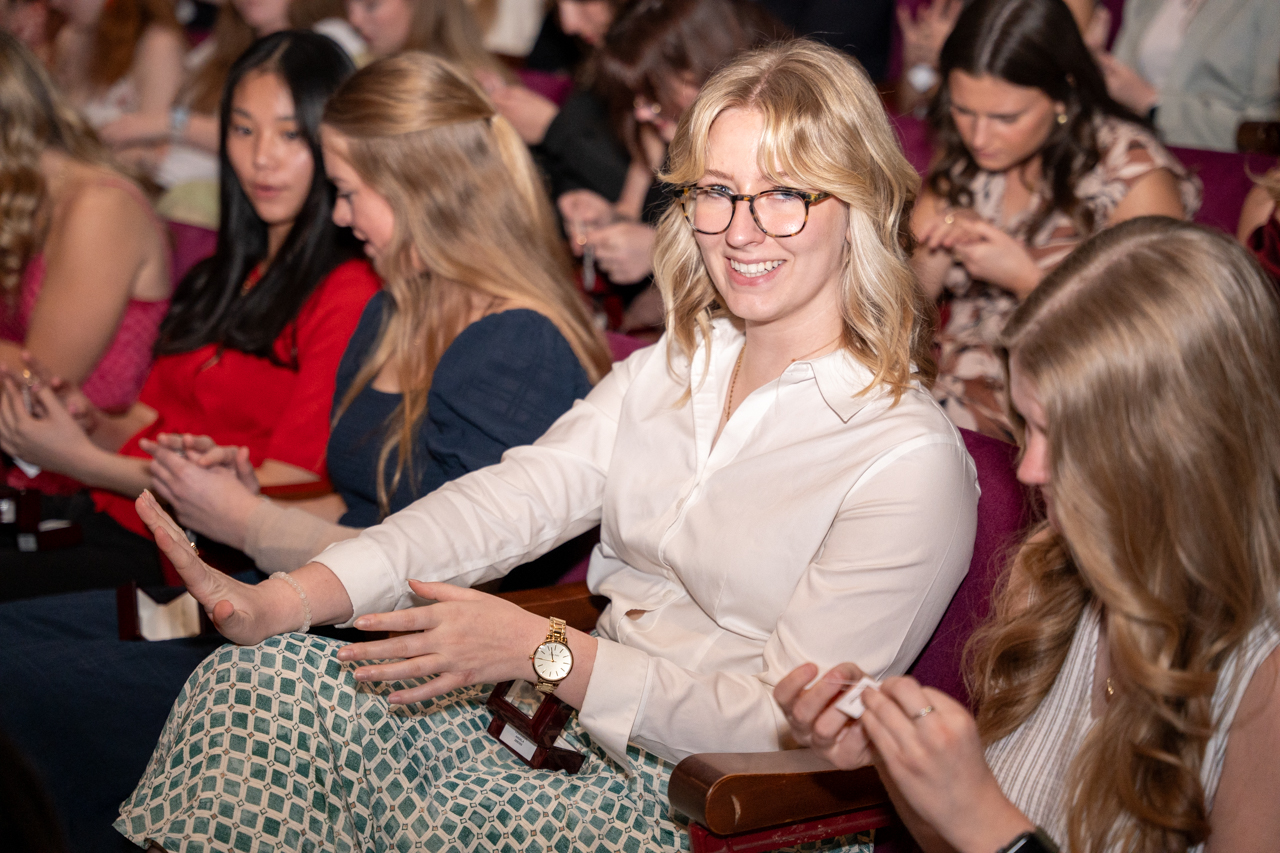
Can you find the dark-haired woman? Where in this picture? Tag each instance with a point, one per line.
(654, 59)
(250, 349)
(1035, 158)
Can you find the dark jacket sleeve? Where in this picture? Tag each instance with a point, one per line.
(580, 151)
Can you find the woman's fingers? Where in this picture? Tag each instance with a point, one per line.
(437, 686)
(789, 688)
(813, 720)
(159, 521)
(421, 666)
(171, 540)
(170, 440)
(197, 443)
(392, 648)
(436, 591)
(888, 724)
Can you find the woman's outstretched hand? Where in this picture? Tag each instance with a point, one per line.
(243, 613)
(466, 637)
(818, 725)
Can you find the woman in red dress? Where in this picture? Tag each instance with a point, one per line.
(249, 352)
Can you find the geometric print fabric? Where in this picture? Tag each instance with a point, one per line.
(276, 747)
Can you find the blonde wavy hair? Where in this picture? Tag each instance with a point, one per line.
(825, 128)
(1155, 353)
(471, 219)
(33, 119)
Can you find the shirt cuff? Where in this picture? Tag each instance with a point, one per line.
(614, 696)
(371, 584)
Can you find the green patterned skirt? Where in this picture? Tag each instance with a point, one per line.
(276, 747)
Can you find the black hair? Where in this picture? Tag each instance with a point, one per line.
(1033, 43)
(211, 304)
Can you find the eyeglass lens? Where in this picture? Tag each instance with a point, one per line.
(778, 213)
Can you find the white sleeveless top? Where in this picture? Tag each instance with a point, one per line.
(1031, 762)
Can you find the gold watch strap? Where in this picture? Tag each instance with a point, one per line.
(556, 634)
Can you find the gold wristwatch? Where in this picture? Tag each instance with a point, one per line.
(552, 660)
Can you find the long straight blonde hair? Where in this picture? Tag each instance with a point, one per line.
(471, 218)
(824, 126)
(1154, 350)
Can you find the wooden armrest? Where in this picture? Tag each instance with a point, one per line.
(572, 602)
(735, 792)
(1262, 137)
(298, 491)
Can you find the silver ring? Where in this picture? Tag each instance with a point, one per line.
(923, 712)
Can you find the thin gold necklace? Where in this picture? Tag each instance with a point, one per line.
(733, 382)
(737, 366)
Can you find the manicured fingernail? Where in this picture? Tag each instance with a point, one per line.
(363, 622)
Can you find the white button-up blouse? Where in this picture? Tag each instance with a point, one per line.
(822, 526)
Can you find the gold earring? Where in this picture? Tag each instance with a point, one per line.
(1062, 118)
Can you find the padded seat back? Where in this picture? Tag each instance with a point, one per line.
(1004, 511)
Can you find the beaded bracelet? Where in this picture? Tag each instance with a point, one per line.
(306, 605)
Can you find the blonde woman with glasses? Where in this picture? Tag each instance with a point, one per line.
(772, 481)
(1128, 683)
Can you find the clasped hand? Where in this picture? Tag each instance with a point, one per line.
(623, 248)
(924, 743)
(44, 420)
(987, 253)
(212, 489)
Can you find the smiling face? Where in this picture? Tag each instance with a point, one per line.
(589, 20)
(383, 24)
(268, 153)
(358, 206)
(1002, 124)
(1033, 468)
(787, 283)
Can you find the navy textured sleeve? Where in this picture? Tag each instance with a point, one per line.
(502, 383)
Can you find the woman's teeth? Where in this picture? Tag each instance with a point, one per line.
(754, 269)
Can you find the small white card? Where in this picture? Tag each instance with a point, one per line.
(851, 702)
(513, 739)
(177, 618)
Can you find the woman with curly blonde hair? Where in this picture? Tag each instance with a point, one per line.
(1127, 685)
(84, 264)
(755, 476)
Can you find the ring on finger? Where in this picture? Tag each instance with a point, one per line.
(950, 218)
(922, 713)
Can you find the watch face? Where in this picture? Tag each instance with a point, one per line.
(552, 661)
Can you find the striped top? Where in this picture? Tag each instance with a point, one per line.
(1031, 763)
